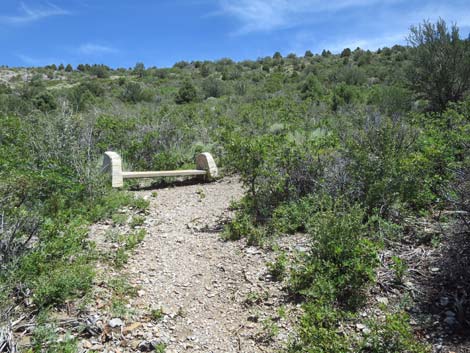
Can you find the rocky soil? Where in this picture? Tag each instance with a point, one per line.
(188, 290)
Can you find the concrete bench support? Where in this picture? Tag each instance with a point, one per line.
(204, 161)
(112, 164)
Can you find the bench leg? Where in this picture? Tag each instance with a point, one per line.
(112, 164)
(204, 161)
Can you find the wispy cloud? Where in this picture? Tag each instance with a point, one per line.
(29, 14)
(95, 49)
(334, 25)
(268, 15)
(34, 61)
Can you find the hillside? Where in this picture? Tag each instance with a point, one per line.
(339, 224)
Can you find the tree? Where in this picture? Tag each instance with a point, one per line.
(311, 88)
(134, 93)
(346, 53)
(186, 94)
(68, 68)
(277, 58)
(440, 70)
(100, 71)
(139, 70)
(213, 87)
(308, 54)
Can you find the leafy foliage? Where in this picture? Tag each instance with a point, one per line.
(440, 59)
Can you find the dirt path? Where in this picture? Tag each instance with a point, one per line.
(215, 296)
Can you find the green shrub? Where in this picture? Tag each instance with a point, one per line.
(392, 335)
(45, 337)
(133, 92)
(318, 331)
(135, 238)
(293, 216)
(399, 268)
(242, 227)
(121, 257)
(379, 154)
(341, 259)
(136, 221)
(277, 269)
(186, 94)
(64, 281)
(58, 268)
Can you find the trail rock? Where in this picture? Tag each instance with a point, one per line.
(116, 322)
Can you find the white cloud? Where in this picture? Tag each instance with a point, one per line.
(381, 26)
(95, 49)
(33, 61)
(28, 14)
(268, 15)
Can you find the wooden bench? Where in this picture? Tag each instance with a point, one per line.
(112, 163)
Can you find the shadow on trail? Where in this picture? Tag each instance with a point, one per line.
(447, 293)
(163, 184)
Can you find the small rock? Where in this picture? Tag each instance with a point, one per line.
(252, 251)
(131, 327)
(86, 344)
(444, 301)
(301, 248)
(382, 300)
(360, 326)
(450, 320)
(145, 346)
(116, 322)
(435, 269)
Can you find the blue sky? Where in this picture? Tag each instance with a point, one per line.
(120, 33)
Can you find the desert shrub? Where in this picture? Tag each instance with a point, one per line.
(111, 131)
(394, 334)
(312, 88)
(293, 216)
(80, 98)
(45, 335)
(100, 71)
(351, 75)
(344, 94)
(278, 168)
(391, 99)
(341, 259)
(212, 87)
(57, 268)
(278, 268)
(242, 226)
(378, 153)
(186, 94)
(45, 102)
(318, 331)
(133, 92)
(439, 70)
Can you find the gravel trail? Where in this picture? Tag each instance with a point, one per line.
(216, 296)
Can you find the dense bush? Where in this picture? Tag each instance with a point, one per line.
(439, 70)
(341, 260)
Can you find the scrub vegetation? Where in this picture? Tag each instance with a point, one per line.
(350, 149)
